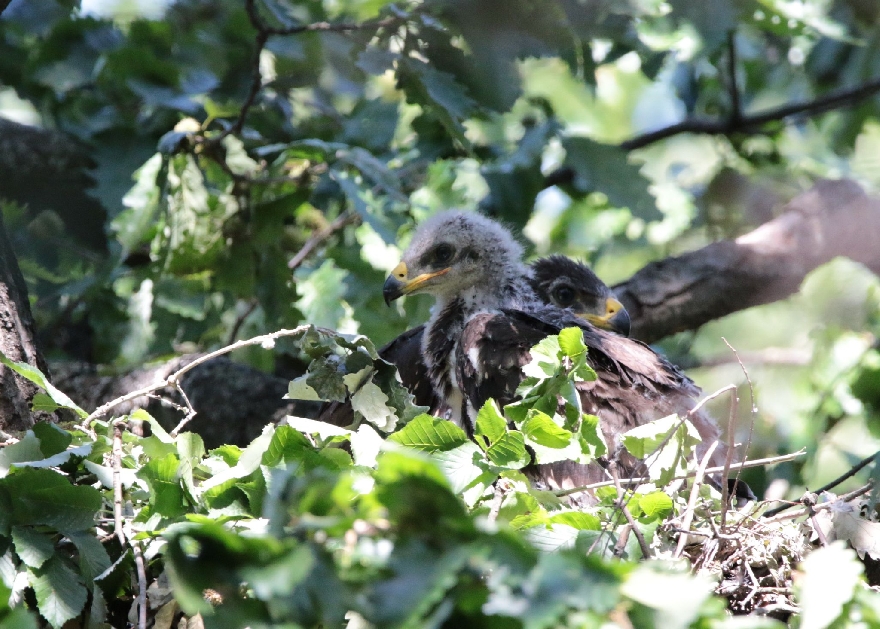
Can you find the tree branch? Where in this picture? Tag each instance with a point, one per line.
(732, 87)
(834, 218)
(346, 218)
(748, 124)
(264, 32)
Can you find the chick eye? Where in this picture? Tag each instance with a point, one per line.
(443, 253)
(563, 296)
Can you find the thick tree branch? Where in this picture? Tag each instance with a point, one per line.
(17, 341)
(834, 218)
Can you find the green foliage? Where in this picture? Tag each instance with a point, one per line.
(313, 524)
(518, 108)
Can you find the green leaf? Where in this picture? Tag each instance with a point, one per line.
(326, 379)
(299, 389)
(545, 359)
(593, 441)
(60, 592)
(18, 618)
(563, 581)
(673, 596)
(371, 402)
(27, 449)
(46, 497)
(666, 444)
(509, 451)
(829, 581)
(287, 444)
(430, 434)
(33, 547)
(571, 342)
(44, 403)
(656, 504)
(322, 296)
(605, 168)
(36, 376)
(166, 494)
(437, 92)
(365, 445)
(279, 577)
(461, 466)
(314, 427)
(419, 577)
(250, 459)
(540, 428)
(490, 423)
(93, 557)
(865, 160)
(578, 519)
(52, 438)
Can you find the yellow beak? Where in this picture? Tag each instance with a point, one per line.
(616, 318)
(399, 284)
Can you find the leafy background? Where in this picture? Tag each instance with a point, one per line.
(208, 187)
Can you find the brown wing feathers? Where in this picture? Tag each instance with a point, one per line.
(490, 310)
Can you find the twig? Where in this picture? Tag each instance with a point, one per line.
(117, 482)
(190, 411)
(821, 507)
(718, 393)
(173, 379)
(842, 98)
(346, 218)
(240, 319)
(688, 516)
(855, 469)
(620, 545)
(810, 501)
(264, 32)
(735, 108)
(728, 457)
(711, 470)
(621, 504)
(142, 584)
(501, 488)
(768, 356)
(754, 406)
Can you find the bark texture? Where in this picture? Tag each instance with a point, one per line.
(17, 341)
(834, 218)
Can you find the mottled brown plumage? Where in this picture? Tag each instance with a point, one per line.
(486, 320)
(556, 280)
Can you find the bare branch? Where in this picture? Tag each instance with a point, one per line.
(117, 482)
(174, 378)
(753, 123)
(732, 87)
(834, 218)
(346, 218)
(855, 469)
(688, 516)
(711, 470)
(621, 504)
(264, 32)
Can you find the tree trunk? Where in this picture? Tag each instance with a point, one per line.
(17, 341)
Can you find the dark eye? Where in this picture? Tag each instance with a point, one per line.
(563, 296)
(443, 254)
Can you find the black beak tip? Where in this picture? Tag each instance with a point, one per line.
(392, 290)
(621, 323)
